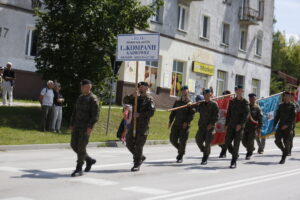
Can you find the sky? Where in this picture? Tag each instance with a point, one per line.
(287, 14)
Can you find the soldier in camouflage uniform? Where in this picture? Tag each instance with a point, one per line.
(84, 117)
(209, 114)
(180, 128)
(145, 110)
(285, 115)
(253, 126)
(237, 115)
(297, 107)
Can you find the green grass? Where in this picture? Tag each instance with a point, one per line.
(19, 125)
(26, 101)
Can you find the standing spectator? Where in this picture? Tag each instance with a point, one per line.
(9, 78)
(1, 80)
(57, 109)
(46, 100)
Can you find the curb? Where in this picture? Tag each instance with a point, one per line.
(116, 144)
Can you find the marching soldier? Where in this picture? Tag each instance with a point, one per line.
(253, 126)
(285, 115)
(182, 119)
(236, 118)
(84, 117)
(145, 110)
(209, 114)
(292, 96)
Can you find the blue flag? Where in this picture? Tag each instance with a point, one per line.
(269, 107)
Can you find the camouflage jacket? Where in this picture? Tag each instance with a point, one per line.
(86, 111)
(256, 114)
(145, 109)
(285, 115)
(238, 111)
(184, 115)
(209, 113)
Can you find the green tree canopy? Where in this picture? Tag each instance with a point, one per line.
(77, 39)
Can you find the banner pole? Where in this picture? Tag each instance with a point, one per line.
(136, 98)
(270, 96)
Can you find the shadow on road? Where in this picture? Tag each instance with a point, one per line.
(111, 171)
(207, 168)
(39, 174)
(261, 163)
(169, 164)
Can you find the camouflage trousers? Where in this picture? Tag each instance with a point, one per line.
(136, 144)
(248, 138)
(203, 140)
(233, 140)
(283, 140)
(179, 137)
(79, 141)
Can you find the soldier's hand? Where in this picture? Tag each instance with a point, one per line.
(210, 126)
(284, 127)
(238, 128)
(88, 131)
(185, 125)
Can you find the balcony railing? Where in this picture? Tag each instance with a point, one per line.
(249, 16)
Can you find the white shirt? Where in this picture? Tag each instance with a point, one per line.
(48, 96)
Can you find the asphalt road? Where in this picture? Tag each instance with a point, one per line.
(45, 174)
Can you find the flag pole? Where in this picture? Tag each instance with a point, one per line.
(136, 98)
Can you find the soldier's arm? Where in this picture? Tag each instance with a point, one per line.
(215, 114)
(277, 116)
(260, 118)
(94, 113)
(149, 112)
(72, 121)
(292, 115)
(246, 111)
(228, 115)
(191, 114)
(172, 114)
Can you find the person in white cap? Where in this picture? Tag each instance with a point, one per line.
(9, 78)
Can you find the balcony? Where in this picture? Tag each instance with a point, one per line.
(249, 16)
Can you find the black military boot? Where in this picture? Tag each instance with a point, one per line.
(136, 166)
(89, 163)
(78, 171)
(179, 158)
(204, 160)
(248, 155)
(282, 161)
(223, 153)
(233, 163)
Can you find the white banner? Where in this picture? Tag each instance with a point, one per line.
(138, 47)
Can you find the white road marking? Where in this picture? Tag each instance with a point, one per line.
(146, 190)
(17, 198)
(226, 186)
(94, 181)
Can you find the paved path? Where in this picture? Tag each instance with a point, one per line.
(44, 174)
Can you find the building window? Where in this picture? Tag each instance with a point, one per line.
(205, 27)
(177, 78)
(221, 82)
(258, 49)
(243, 40)
(256, 87)
(31, 42)
(225, 34)
(151, 70)
(261, 5)
(182, 17)
(239, 80)
(158, 16)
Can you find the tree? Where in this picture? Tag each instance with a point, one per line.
(77, 39)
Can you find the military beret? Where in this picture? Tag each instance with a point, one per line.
(206, 91)
(239, 87)
(286, 92)
(85, 82)
(251, 95)
(143, 83)
(185, 88)
(226, 92)
(1, 68)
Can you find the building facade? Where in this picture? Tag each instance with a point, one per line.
(206, 43)
(18, 45)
